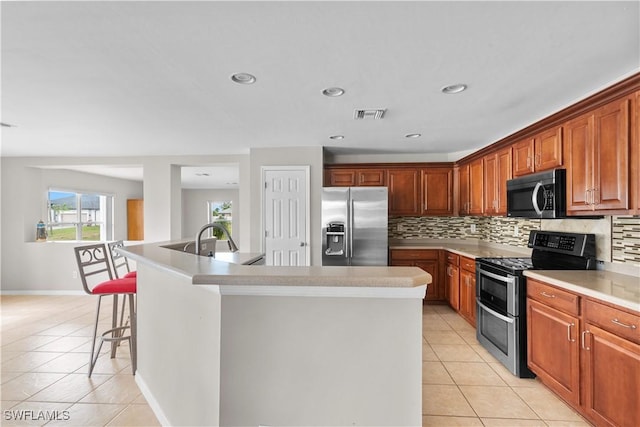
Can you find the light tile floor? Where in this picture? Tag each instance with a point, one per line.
(463, 385)
(45, 351)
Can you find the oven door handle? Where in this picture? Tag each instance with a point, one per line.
(506, 279)
(495, 313)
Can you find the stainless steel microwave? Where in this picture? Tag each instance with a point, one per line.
(539, 195)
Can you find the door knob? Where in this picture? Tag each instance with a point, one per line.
(301, 244)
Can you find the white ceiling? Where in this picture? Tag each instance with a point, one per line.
(152, 78)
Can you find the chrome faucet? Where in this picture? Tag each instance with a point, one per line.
(215, 225)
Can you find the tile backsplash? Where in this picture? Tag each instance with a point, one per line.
(617, 237)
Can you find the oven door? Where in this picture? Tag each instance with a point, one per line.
(498, 334)
(497, 290)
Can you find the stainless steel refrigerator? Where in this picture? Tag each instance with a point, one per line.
(354, 226)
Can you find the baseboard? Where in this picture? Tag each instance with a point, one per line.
(153, 403)
(44, 292)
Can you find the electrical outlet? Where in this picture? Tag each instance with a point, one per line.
(473, 228)
(400, 227)
(516, 231)
(74, 274)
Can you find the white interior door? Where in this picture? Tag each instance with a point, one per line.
(286, 215)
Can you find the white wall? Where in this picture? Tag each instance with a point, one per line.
(289, 156)
(38, 267)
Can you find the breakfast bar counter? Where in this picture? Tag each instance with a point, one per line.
(221, 343)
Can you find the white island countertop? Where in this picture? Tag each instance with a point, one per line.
(227, 270)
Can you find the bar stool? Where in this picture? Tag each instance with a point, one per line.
(119, 261)
(98, 279)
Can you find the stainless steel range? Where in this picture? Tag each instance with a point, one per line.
(501, 292)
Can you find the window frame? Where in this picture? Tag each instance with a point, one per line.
(106, 224)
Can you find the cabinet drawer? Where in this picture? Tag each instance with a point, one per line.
(453, 258)
(553, 297)
(414, 254)
(468, 264)
(618, 322)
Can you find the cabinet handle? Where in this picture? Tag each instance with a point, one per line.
(624, 325)
(583, 335)
(544, 294)
(569, 332)
(596, 196)
(538, 158)
(586, 197)
(528, 162)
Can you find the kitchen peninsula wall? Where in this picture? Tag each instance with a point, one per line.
(617, 237)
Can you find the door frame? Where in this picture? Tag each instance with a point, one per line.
(307, 202)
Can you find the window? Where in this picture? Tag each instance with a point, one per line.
(220, 212)
(79, 216)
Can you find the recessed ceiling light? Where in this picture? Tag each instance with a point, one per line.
(457, 88)
(243, 78)
(336, 137)
(333, 91)
(413, 135)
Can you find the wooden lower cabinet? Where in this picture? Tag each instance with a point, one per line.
(612, 379)
(452, 280)
(587, 352)
(468, 290)
(429, 261)
(552, 349)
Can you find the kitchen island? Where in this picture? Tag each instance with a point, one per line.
(221, 343)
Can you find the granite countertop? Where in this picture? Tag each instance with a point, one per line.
(465, 248)
(224, 270)
(609, 286)
(615, 288)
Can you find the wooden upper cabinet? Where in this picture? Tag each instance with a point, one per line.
(404, 191)
(340, 178)
(463, 189)
(355, 177)
(497, 170)
(471, 188)
(597, 160)
(635, 154)
(476, 187)
(371, 177)
(542, 152)
(437, 191)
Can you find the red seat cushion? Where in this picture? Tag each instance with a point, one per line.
(116, 286)
(131, 274)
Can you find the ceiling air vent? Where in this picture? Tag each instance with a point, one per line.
(368, 114)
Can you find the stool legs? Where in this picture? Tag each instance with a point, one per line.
(116, 332)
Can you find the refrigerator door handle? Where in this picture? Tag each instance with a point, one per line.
(350, 213)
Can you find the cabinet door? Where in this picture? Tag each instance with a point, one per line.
(612, 378)
(548, 149)
(611, 156)
(578, 162)
(463, 189)
(453, 286)
(523, 157)
(468, 296)
(437, 188)
(553, 349)
(404, 191)
(435, 291)
(476, 184)
(341, 178)
(635, 153)
(503, 174)
(371, 177)
(490, 183)
(135, 219)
